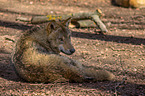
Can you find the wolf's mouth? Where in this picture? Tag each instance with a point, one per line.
(68, 52)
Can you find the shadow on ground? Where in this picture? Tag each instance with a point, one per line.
(111, 38)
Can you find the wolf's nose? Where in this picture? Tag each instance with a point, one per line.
(72, 50)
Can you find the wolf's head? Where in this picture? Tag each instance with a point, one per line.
(59, 37)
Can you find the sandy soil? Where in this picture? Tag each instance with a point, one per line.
(121, 50)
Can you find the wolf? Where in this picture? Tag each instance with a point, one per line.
(37, 58)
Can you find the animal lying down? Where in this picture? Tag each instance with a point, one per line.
(36, 56)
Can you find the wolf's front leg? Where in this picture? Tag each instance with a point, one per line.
(74, 71)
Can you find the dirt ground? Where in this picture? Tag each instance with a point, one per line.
(121, 50)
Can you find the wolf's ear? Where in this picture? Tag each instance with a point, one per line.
(66, 22)
(51, 26)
